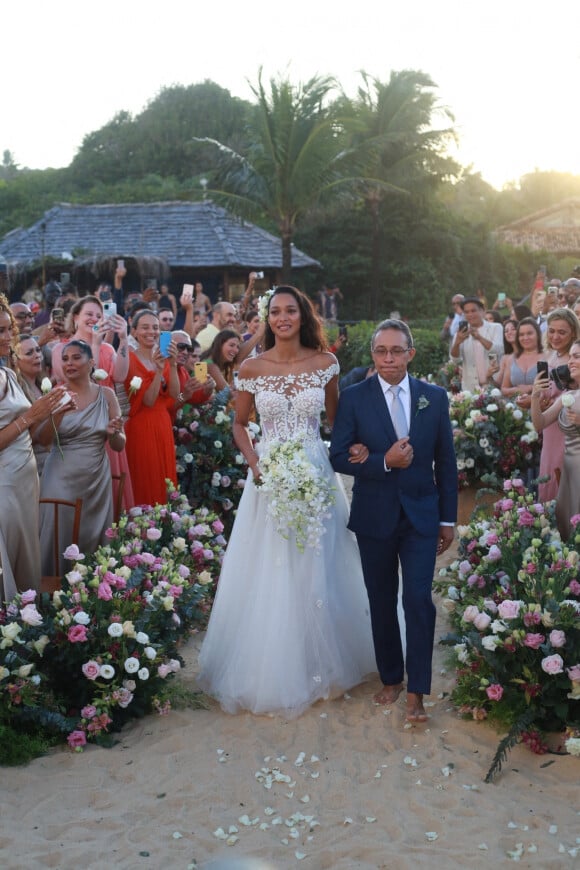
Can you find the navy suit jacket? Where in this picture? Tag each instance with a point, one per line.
(427, 489)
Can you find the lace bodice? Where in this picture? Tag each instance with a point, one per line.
(290, 405)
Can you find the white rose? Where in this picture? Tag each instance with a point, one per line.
(143, 674)
(82, 618)
(517, 414)
(567, 400)
(131, 665)
(46, 385)
(107, 672)
(150, 652)
(141, 637)
(135, 383)
(218, 445)
(204, 578)
(188, 458)
(491, 408)
(100, 375)
(179, 543)
(495, 393)
(115, 630)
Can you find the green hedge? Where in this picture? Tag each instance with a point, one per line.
(430, 356)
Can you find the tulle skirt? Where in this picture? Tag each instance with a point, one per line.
(287, 627)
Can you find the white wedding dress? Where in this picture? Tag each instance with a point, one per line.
(287, 627)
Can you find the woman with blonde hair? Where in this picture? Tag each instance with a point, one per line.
(563, 329)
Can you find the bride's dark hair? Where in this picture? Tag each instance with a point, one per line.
(311, 333)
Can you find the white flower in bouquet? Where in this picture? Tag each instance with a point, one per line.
(100, 375)
(568, 400)
(46, 385)
(300, 495)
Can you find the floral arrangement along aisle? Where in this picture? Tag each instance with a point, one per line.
(513, 599)
(104, 648)
(211, 471)
(493, 438)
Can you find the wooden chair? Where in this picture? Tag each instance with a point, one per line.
(52, 582)
(118, 500)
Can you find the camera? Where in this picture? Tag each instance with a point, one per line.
(463, 326)
(561, 377)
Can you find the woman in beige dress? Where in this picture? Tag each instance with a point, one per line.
(19, 550)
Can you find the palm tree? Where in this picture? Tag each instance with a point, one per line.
(393, 147)
(292, 157)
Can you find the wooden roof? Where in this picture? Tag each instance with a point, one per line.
(183, 234)
(555, 229)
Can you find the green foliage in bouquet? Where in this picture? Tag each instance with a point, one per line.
(105, 647)
(211, 471)
(513, 598)
(493, 438)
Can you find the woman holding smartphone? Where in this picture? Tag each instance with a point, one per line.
(77, 465)
(152, 385)
(519, 376)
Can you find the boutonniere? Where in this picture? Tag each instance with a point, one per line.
(422, 403)
(135, 384)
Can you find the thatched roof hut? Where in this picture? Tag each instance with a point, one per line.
(555, 229)
(181, 241)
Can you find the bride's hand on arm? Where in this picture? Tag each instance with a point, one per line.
(358, 453)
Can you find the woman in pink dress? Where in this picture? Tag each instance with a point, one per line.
(563, 330)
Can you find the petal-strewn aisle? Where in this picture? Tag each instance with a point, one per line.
(375, 789)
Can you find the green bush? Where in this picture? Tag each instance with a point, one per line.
(430, 356)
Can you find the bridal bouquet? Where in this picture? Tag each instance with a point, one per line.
(300, 495)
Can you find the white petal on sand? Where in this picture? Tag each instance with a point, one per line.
(378, 774)
(177, 835)
(512, 825)
(269, 811)
(315, 775)
(314, 758)
(324, 715)
(264, 826)
(553, 829)
(300, 760)
(220, 834)
(244, 820)
(371, 819)
(305, 799)
(483, 846)
(347, 821)
(231, 841)
(431, 835)
(516, 854)
(233, 830)
(285, 841)
(299, 856)
(277, 820)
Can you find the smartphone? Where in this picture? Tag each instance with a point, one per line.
(151, 284)
(200, 371)
(463, 325)
(109, 309)
(64, 401)
(343, 331)
(236, 380)
(120, 264)
(492, 357)
(501, 297)
(57, 314)
(164, 342)
(259, 274)
(64, 278)
(543, 368)
(187, 294)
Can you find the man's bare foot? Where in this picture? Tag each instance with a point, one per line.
(415, 709)
(388, 694)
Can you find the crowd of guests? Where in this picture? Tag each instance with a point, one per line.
(89, 391)
(528, 351)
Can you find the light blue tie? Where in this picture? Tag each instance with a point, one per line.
(398, 413)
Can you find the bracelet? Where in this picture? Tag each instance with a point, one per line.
(16, 422)
(18, 426)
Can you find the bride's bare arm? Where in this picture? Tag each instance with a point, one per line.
(244, 405)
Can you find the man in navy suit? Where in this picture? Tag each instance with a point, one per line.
(404, 504)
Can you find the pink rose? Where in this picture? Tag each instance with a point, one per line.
(481, 621)
(89, 711)
(553, 664)
(494, 692)
(574, 672)
(77, 634)
(506, 504)
(104, 592)
(557, 638)
(464, 567)
(30, 615)
(91, 669)
(532, 619)
(28, 597)
(575, 520)
(525, 518)
(73, 554)
(473, 580)
(509, 609)
(533, 641)
(76, 739)
(490, 605)
(494, 554)
(217, 526)
(163, 670)
(492, 538)
(153, 534)
(470, 613)
(575, 586)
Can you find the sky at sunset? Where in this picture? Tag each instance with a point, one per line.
(509, 71)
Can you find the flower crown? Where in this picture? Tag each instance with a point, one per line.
(264, 304)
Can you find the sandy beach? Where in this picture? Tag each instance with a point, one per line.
(347, 785)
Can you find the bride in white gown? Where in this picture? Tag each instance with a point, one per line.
(290, 622)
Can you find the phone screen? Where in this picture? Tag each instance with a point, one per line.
(200, 371)
(164, 342)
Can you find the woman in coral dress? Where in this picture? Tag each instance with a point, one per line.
(152, 385)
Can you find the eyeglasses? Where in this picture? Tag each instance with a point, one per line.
(182, 345)
(394, 351)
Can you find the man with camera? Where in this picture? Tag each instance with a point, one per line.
(475, 340)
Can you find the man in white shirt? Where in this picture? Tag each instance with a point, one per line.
(475, 339)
